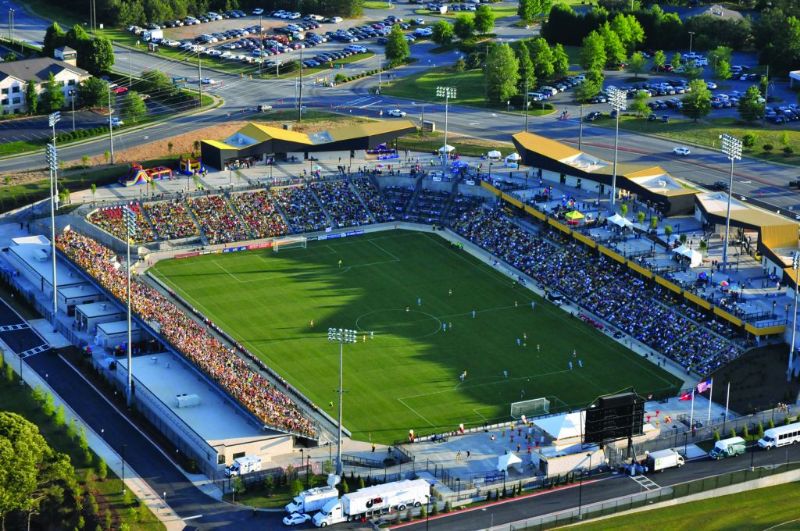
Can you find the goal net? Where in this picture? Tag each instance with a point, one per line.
(290, 242)
(530, 408)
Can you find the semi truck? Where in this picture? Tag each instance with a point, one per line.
(371, 501)
(663, 459)
(728, 448)
(243, 465)
(312, 500)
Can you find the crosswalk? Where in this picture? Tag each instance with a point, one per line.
(14, 327)
(645, 482)
(33, 351)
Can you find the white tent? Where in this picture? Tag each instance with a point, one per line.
(513, 157)
(619, 221)
(446, 147)
(695, 257)
(564, 426)
(494, 155)
(505, 461)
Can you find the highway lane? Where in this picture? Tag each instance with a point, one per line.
(607, 488)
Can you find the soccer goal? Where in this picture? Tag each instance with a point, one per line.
(290, 242)
(530, 408)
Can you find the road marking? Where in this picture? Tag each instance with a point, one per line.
(646, 482)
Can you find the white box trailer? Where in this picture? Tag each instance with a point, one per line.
(663, 459)
(369, 501)
(312, 500)
(243, 465)
(152, 35)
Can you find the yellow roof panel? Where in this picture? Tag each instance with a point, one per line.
(369, 129)
(545, 146)
(218, 145)
(275, 133)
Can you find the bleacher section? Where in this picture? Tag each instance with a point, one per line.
(219, 223)
(428, 207)
(342, 204)
(171, 219)
(301, 208)
(373, 198)
(260, 214)
(111, 220)
(398, 198)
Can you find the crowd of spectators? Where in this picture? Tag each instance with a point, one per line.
(462, 204)
(111, 219)
(171, 219)
(398, 198)
(429, 206)
(219, 223)
(604, 287)
(260, 214)
(373, 199)
(302, 210)
(272, 406)
(342, 204)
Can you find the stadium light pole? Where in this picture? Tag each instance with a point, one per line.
(110, 125)
(796, 267)
(618, 101)
(52, 163)
(130, 226)
(446, 93)
(732, 147)
(341, 336)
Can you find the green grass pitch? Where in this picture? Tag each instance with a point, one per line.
(406, 375)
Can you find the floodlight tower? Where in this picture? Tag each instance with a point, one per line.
(51, 155)
(341, 336)
(446, 93)
(732, 147)
(130, 229)
(618, 100)
(796, 267)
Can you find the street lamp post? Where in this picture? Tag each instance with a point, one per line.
(341, 336)
(446, 93)
(618, 101)
(124, 446)
(580, 129)
(11, 26)
(732, 147)
(691, 35)
(72, 94)
(796, 267)
(580, 488)
(130, 226)
(110, 125)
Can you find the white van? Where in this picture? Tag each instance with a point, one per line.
(728, 448)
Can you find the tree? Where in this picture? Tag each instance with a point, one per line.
(590, 87)
(133, 106)
(93, 92)
(54, 38)
(697, 103)
(629, 30)
(676, 60)
(483, 19)
(542, 59)
(526, 10)
(659, 60)
(53, 99)
(560, 60)
(593, 52)
(31, 97)
(464, 27)
(639, 105)
(636, 64)
(397, 50)
(527, 78)
(722, 69)
(750, 106)
(442, 32)
(99, 56)
(502, 74)
(623, 209)
(668, 231)
(615, 49)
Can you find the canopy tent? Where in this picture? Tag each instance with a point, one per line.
(695, 257)
(619, 221)
(574, 217)
(565, 426)
(494, 154)
(514, 157)
(446, 147)
(505, 461)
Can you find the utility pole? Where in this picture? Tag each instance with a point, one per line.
(580, 129)
(11, 25)
(526, 105)
(199, 80)
(300, 90)
(110, 125)
(261, 45)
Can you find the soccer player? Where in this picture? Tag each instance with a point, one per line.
(340, 263)
(419, 301)
(580, 364)
(505, 374)
(473, 314)
(570, 365)
(450, 291)
(538, 347)
(533, 305)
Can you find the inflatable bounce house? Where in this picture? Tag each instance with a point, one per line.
(140, 175)
(190, 166)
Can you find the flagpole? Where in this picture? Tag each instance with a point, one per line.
(710, 393)
(691, 414)
(727, 401)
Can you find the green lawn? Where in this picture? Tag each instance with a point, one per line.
(499, 12)
(375, 4)
(469, 85)
(407, 376)
(752, 510)
(707, 132)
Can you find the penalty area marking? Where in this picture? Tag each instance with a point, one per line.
(417, 413)
(402, 310)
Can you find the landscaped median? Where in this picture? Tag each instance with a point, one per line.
(773, 143)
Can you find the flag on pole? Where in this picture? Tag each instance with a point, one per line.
(686, 396)
(704, 386)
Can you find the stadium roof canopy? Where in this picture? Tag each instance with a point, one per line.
(256, 140)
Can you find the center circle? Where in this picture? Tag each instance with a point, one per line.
(403, 322)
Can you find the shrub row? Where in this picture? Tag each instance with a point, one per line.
(81, 133)
(341, 78)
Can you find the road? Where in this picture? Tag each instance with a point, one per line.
(603, 488)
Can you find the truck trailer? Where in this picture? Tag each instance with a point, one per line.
(371, 501)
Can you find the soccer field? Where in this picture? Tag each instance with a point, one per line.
(400, 289)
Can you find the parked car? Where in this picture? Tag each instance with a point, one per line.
(396, 113)
(296, 519)
(592, 116)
